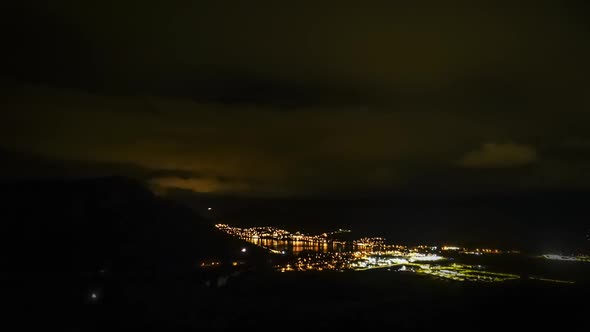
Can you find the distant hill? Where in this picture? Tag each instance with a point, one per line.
(533, 221)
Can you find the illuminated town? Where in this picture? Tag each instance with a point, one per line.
(329, 252)
(268, 232)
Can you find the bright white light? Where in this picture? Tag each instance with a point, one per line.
(93, 296)
(209, 209)
(244, 249)
(560, 257)
(399, 260)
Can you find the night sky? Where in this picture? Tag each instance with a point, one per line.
(300, 98)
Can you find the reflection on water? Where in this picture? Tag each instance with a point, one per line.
(295, 247)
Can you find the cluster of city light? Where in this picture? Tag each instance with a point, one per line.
(403, 262)
(476, 251)
(206, 264)
(365, 261)
(425, 247)
(374, 253)
(481, 251)
(255, 232)
(580, 258)
(369, 242)
(214, 264)
(318, 262)
(269, 232)
(356, 261)
(459, 272)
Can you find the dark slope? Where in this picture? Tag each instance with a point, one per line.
(67, 240)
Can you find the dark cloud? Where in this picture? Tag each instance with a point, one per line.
(19, 166)
(44, 48)
(210, 147)
(382, 95)
(296, 54)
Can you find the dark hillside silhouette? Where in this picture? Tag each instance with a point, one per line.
(109, 241)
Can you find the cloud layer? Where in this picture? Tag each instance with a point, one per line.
(304, 97)
(493, 155)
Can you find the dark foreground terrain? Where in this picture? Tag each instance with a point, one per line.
(106, 254)
(367, 299)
